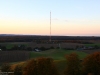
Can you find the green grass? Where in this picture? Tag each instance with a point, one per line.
(87, 45)
(56, 54)
(9, 46)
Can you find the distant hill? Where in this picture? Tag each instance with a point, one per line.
(7, 34)
(19, 35)
(38, 38)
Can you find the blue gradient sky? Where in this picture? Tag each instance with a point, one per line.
(69, 17)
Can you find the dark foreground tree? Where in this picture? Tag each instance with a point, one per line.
(91, 64)
(40, 66)
(30, 68)
(5, 67)
(18, 70)
(73, 65)
(45, 66)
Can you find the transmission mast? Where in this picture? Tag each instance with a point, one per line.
(50, 26)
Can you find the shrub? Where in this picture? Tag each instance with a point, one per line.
(5, 67)
(42, 48)
(51, 47)
(45, 66)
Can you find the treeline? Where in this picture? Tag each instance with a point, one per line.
(30, 38)
(25, 48)
(42, 47)
(46, 66)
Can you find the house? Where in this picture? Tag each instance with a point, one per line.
(37, 50)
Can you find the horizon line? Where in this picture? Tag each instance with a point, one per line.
(55, 35)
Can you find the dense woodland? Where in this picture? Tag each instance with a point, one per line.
(40, 40)
(32, 38)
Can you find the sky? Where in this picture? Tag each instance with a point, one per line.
(68, 17)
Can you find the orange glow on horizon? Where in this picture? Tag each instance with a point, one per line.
(42, 28)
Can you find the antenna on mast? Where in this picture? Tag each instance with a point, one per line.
(50, 26)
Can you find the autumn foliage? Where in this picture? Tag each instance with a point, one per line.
(18, 70)
(46, 66)
(40, 66)
(91, 64)
(73, 64)
(30, 68)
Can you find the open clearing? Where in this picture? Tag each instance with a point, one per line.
(56, 54)
(95, 44)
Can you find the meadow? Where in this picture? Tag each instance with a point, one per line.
(95, 44)
(56, 54)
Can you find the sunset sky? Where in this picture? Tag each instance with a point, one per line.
(68, 17)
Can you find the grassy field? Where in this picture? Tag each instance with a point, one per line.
(87, 45)
(10, 45)
(56, 54)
